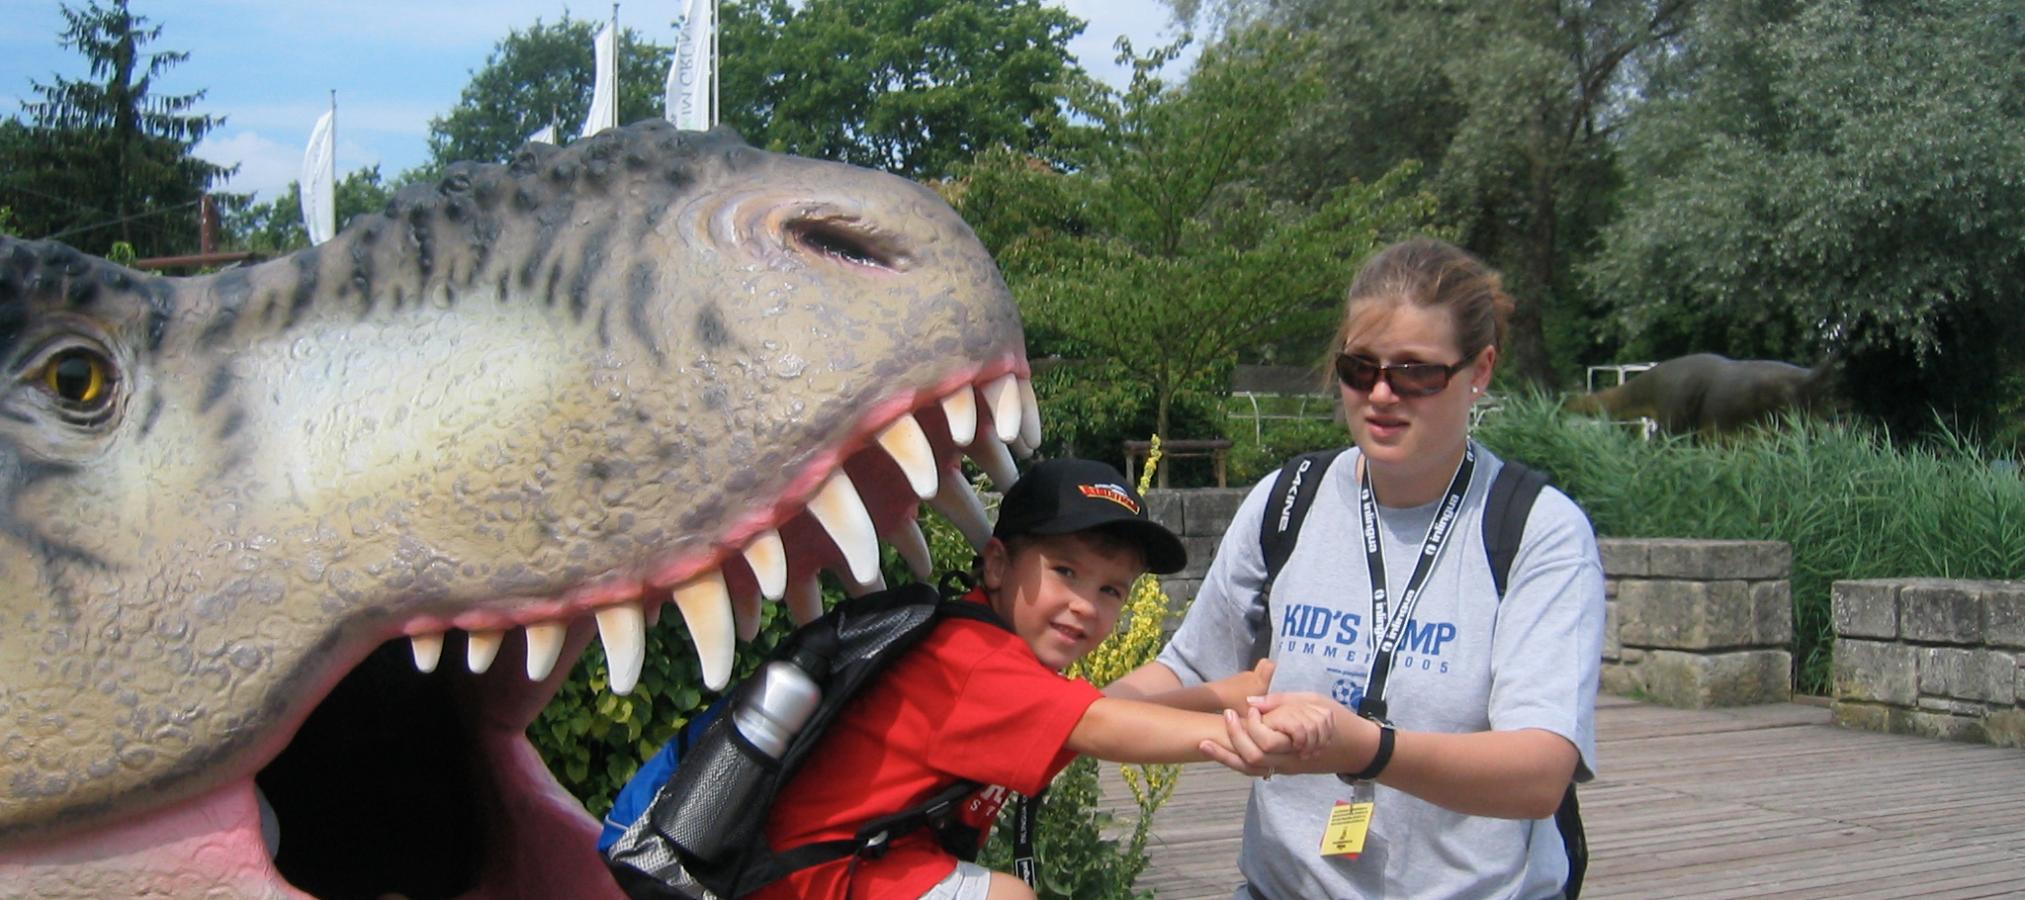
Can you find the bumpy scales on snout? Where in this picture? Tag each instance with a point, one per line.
(528, 404)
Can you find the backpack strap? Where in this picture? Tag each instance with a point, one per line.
(937, 813)
(1293, 493)
(1505, 512)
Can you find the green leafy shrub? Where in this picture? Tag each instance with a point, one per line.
(1849, 502)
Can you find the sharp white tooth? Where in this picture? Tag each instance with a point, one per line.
(544, 647)
(428, 649)
(855, 590)
(959, 504)
(623, 628)
(960, 408)
(908, 445)
(768, 559)
(480, 647)
(652, 609)
(1030, 414)
(991, 455)
(745, 616)
(1002, 397)
(706, 609)
(913, 547)
(1022, 450)
(805, 600)
(841, 512)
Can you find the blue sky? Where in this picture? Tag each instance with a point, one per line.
(268, 67)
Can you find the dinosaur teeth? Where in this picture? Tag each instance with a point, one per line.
(745, 617)
(1002, 397)
(959, 504)
(991, 455)
(908, 445)
(428, 650)
(544, 647)
(706, 608)
(805, 600)
(855, 590)
(960, 409)
(768, 559)
(623, 628)
(480, 647)
(841, 512)
(913, 547)
(1030, 415)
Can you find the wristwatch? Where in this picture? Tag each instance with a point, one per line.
(1378, 760)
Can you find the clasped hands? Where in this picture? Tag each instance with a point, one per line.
(1288, 733)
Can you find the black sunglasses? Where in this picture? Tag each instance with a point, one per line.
(1361, 374)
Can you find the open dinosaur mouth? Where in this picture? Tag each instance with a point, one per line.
(413, 777)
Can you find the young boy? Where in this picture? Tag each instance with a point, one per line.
(984, 703)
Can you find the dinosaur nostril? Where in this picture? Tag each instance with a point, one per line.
(840, 240)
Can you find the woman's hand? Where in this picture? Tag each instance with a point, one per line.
(1284, 733)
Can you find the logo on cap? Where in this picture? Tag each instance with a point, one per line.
(1114, 493)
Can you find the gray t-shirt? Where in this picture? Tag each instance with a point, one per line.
(1467, 662)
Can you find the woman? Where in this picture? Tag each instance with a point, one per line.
(1490, 700)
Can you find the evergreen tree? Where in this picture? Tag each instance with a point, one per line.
(106, 160)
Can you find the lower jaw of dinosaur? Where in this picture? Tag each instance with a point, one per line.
(398, 784)
(425, 786)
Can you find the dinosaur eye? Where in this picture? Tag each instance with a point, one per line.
(80, 378)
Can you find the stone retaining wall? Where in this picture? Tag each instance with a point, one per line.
(1931, 657)
(1698, 624)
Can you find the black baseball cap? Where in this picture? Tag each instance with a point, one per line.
(1064, 496)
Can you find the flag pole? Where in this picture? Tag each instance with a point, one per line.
(716, 8)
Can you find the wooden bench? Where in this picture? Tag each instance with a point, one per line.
(1218, 451)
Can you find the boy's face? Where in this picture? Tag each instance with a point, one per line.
(1062, 593)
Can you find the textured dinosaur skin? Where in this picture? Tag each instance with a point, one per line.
(529, 394)
(1712, 395)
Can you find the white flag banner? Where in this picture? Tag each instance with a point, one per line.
(686, 97)
(319, 181)
(605, 97)
(545, 136)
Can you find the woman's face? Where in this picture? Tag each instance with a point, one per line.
(1418, 438)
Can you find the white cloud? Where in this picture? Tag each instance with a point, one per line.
(266, 166)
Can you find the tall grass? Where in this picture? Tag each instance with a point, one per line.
(1849, 503)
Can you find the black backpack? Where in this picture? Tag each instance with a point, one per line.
(1511, 501)
(702, 836)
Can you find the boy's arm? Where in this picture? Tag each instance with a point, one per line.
(1148, 684)
(1133, 731)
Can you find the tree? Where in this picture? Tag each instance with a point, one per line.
(108, 160)
(537, 77)
(275, 227)
(913, 87)
(1164, 255)
(1853, 188)
(1511, 106)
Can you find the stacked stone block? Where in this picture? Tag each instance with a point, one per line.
(1931, 657)
(1698, 624)
(1199, 516)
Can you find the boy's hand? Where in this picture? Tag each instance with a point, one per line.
(1308, 720)
(1259, 749)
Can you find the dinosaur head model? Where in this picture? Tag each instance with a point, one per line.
(527, 405)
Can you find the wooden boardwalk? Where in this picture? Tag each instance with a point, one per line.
(1746, 802)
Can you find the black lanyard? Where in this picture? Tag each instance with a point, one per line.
(1387, 627)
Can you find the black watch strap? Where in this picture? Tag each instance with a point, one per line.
(1378, 760)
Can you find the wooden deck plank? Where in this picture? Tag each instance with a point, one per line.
(1739, 802)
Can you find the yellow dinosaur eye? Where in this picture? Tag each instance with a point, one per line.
(79, 377)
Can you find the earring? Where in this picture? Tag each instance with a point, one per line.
(1476, 390)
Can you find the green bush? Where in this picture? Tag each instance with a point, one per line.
(1849, 502)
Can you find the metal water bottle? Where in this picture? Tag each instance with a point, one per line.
(777, 706)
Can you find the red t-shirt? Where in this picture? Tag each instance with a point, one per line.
(970, 702)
